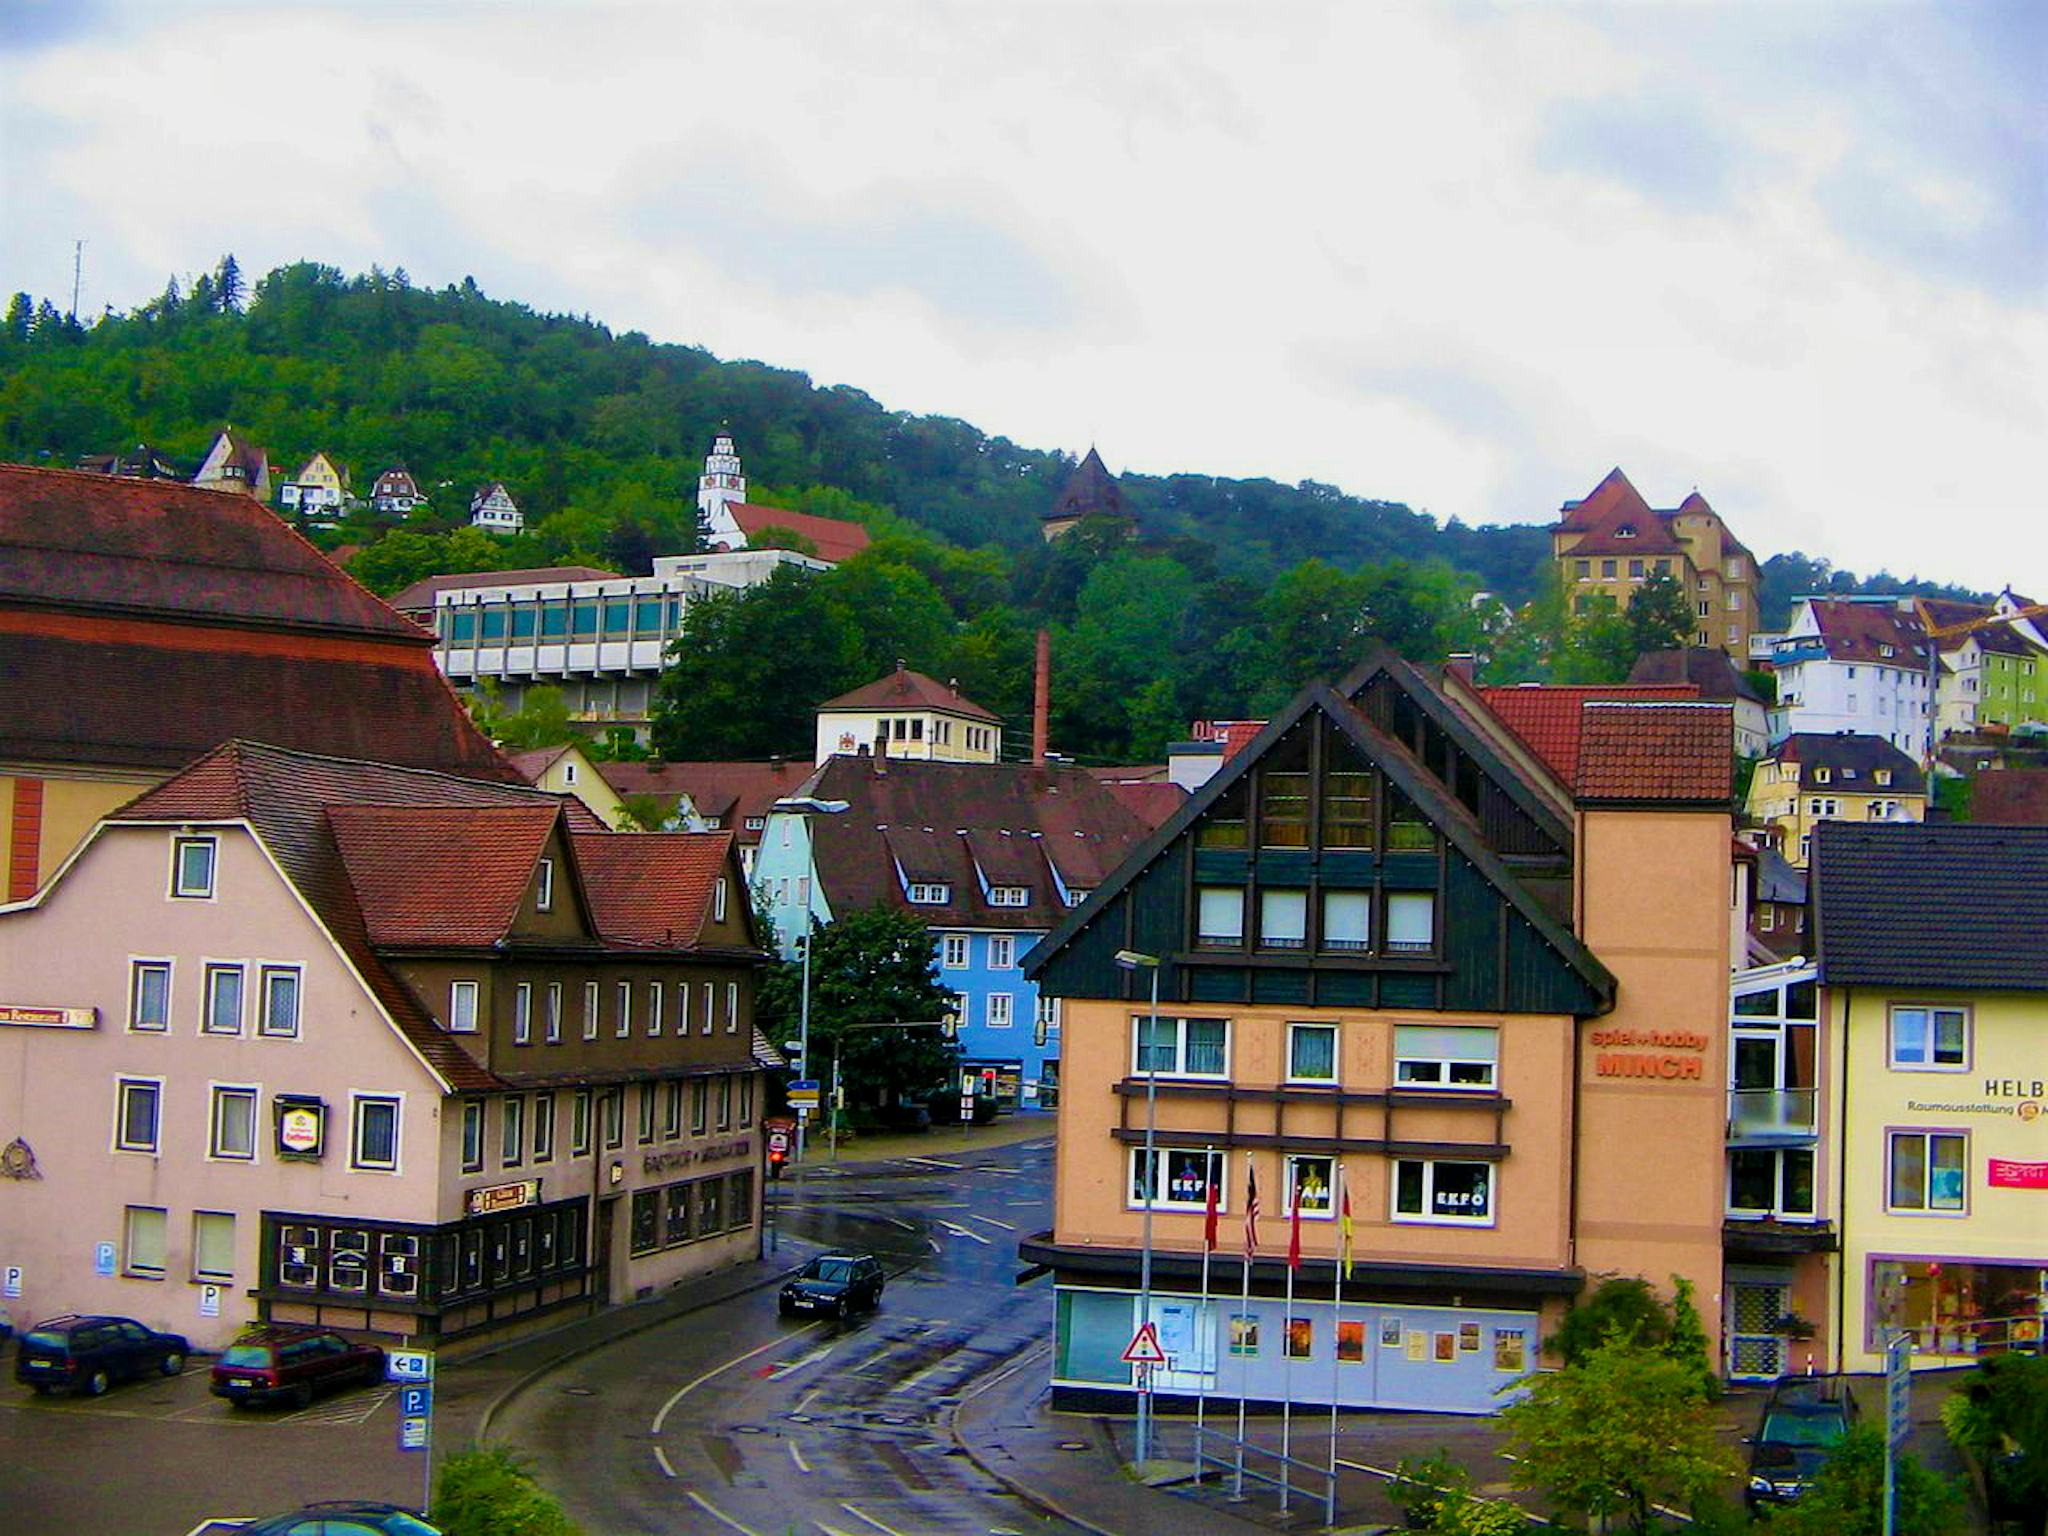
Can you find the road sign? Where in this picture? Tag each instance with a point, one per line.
(408, 1365)
(1144, 1347)
(413, 1434)
(804, 1093)
(1144, 1378)
(413, 1401)
(778, 1141)
(1898, 1390)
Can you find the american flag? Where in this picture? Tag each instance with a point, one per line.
(1251, 1211)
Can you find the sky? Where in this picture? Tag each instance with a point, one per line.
(1466, 256)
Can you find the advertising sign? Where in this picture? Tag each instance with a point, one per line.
(48, 1018)
(502, 1197)
(301, 1127)
(2006, 1173)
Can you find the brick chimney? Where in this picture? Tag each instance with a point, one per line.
(1041, 701)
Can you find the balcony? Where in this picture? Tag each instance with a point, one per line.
(1772, 1117)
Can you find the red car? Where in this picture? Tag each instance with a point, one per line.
(290, 1365)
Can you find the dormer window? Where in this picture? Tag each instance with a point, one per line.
(1848, 773)
(1077, 894)
(930, 893)
(1009, 896)
(1883, 775)
(1823, 775)
(756, 823)
(1625, 531)
(544, 887)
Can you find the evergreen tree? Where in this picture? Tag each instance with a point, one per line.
(227, 285)
(1660, 616)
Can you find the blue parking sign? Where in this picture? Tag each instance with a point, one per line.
(412, 1431)
(413, 1401)
(408, 1365)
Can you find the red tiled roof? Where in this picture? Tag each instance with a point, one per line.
(905, 689)
(652, 888)
(156, 548)
(1546, 717)
(1674, 752)
(1150, 803)
(531, 765)
(1860, 631)
(441, 874)
(836, 539)
(2010, 797)
(421, 595)
(731, 791)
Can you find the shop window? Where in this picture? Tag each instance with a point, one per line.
(1955, 1307)
(149, 996)
(739, 1199)
(1173, 1047)
(1928, 1171)
(1312, 1053)
(1465, 1057)
(1175, 1179)
(1930, 1039)
(1347, 921)
(1219, 917)
(675, 1216)
(1312, 1181)
(1433, 1190)
(710, 1206)
(646, 1221)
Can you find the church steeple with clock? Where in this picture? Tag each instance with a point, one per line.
(719, 488)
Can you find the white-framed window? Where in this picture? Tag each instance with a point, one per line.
(1176, 1179)
(672, 1109)
(213, 1245)
(1927, 1171)
(472, 1135)
(1411, 922)
(1460, 1056)
(143, 1241)
(655, 994)
(554, 1013)
(1441, 1190)
(279, 1018)
(192, 867)
(1219, 917)
(462, 1002)
(1312, 1053)
(579, 1123)
(998, 1015)
(522, 1013)
(1929, 1039)
(1009, 896)
(223, 1000)
(953, 951)
(512, 1131)
(929, 893)
(149, 996)
(682, 1008)
(1314, 1179)
(1047, 1018)
(623, 1001)
(543, 1127)
(544, 886)
(1347, 921)
(1076, 894)
(373, 1132)
(718, 900)
(711, 1006)
(1283, 919)
(1825, 775)
(732, 1007)
(138, 1113)
(231, 1124)
(1175, 1047)
(1002, 952)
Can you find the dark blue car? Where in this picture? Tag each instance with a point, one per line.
(90, 1354)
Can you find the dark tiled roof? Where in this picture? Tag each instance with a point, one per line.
(441, 874)
(835, 538)
(733, 792)
(1545, 717)
(1852, 762)
(1930, 905)
(2010, 797)
(1706, 667)
(421, 595)
(1861, 631)
(1678, 753)
(905, 689)
(151, 547)
(1091, 490)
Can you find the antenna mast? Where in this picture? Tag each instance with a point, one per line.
(77, 268)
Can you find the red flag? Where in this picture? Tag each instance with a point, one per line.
(1251, 1211)
(1209, 1216)
(1294, 1231)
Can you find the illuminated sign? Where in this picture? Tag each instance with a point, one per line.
(48, 1018)
(301, 1127)
(502, 1197)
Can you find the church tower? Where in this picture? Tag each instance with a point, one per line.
(1091, 491)
(718, 489)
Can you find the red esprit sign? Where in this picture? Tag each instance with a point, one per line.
(2007, 1174)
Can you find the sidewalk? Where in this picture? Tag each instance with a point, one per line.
(942, 1141)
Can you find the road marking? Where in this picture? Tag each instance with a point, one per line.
(908, 1226)
(861, 1514)
(662, 1456)
(791, 1367)
(685, 1390)
(803, 1404)
(965, 1232)
(993, 1222)
(929, 1162)
(935, 1245)
(720, 1515)
(797, 1456)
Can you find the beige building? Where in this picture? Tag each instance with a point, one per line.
(1811, 778)
(909, 715)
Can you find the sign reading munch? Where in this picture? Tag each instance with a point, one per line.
(1655, 1060)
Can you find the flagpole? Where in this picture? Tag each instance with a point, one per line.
(1341, 1197)
(1202, 1313)
(1244, 1373)
(1290, 1176)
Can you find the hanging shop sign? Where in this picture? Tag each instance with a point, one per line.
(502, 1197)
(48, 1018)
(301, 1127)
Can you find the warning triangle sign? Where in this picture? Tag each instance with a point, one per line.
(1144, 1347)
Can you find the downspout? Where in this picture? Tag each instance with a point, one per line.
(1842, 1194)
(1571, 1199)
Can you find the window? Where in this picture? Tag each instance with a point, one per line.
(1347, 809)
(1002, 952)
(1078, 894)
(953, 951)
(522, 1013)
(999, 1016)
(732, 1007)
(1930, 1039)
(373, 1139)
(710, 1005)
(192, 860)
(149, 995)
(1347, 921)
(138, 1103)
(472, 1135)
(1635, 570)
(1445, 1056)
(1283, 919)
(925, 893)
(1607, 569)
(1928, 1170)
(1048, 1019)
(613, 1109)
(1411, 922)
(1313, 1180)
(646, 1113)
(1009, 896)
(700, 1101)
(676, 1211)
(1764, 1181)
(1219, 917)
(213, 1245)
(544, 886)
(231, 1128)
(654, 998)
(1177, 1179)
(746, 1098)
(646, 1221)
(1180, 1047)
(1582, 569)
(579, 1123)
(1433, 1191)
(554, 1016)
(462, 998)
(682, 1008)
(672, 1109)
(1312, 1053)
(512, 1132)
(280, 1016)
(622, 1026)
(724, 1101)
(144, 1245)
(1283, 808)
(223, 1000)
(718, 900)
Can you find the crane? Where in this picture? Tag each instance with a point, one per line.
(1939, 632)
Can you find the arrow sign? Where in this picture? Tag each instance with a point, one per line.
(1144, 1347)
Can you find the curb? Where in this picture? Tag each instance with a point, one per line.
(1028, 1495)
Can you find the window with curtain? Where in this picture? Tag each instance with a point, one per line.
(1411, 922)
(1219, 917)
(1283, 919)
(1312, 1053)
(1347, 921)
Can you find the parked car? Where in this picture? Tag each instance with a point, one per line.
(834, 1284)
(90, 1354)
(288, 1364)
(343, 1517)
(1804, 1420)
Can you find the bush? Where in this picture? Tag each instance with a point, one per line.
(1435, 1494)
(1847, 1498)
(490, 1493)
(1625, 1307)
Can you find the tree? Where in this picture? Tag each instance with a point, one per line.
(228, 287)
(542, 719)
(1626, 1306)
(1999, 1414)
(1617, 1434)
(1847, 1496)
(1660, 615)
(871, 967)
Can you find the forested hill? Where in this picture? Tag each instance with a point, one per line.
(465, 389)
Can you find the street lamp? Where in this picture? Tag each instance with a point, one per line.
(1132, 960)
(807, 805)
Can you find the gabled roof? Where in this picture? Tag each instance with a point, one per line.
(533, 764)
(835, 538)
(1669, 753)
(2010, 797)
(1860, 632)
(1930, 905)
(1615, 520)
(1091, 491)
(421, 596)
(429, 875)
(1707, 668)
(653, 889)
(1852, 761)
(151, 547)
(1547, 717)
(905, 689)
(734, 792)
(1943, 612)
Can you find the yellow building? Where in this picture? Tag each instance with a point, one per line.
(566, 770)
(909, 715)
(1937, 1006)
(1808, 779)
(1612, 541)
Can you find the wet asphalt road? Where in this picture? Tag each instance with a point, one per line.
(735, 1420)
